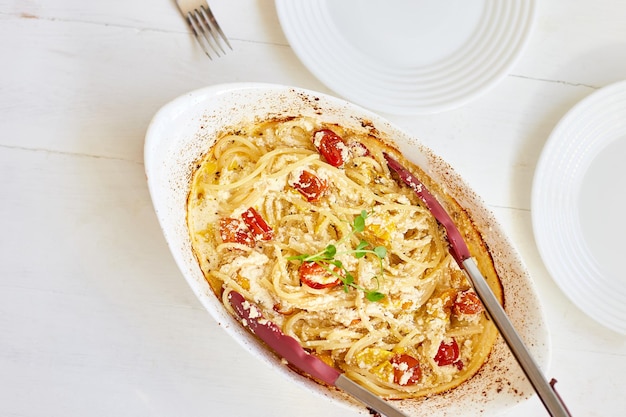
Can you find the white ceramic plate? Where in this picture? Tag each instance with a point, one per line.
(578, 205)
(187, 127)
(408, 56)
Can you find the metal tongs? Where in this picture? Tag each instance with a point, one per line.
(461, 254)
(290, 350)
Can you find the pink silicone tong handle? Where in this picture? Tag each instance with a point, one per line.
(285, 346)
(458, 247)
(459, 250)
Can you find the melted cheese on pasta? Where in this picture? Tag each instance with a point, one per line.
(256, 167)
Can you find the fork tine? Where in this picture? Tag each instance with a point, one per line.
(214, 36)
(204, 25)
(211, 18)
(207, 31)
(197, 28)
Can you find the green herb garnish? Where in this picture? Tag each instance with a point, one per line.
(326, 258)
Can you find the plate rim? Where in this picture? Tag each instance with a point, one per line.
(519, 37)
(540, 190)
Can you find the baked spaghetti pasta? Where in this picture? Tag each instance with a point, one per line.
(306, 220)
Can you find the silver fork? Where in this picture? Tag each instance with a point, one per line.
(204, 26)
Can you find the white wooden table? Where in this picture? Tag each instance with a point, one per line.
(96, 319)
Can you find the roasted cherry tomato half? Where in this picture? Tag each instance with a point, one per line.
(331, 147)
(235, 231)
(259, 228)
(448, 353)
(406, 369)
(467, 302)
(310, 186)
(316, 276)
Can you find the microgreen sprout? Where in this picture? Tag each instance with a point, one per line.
(327, 258)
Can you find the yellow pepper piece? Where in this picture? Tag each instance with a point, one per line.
(371, 357)
(380, 229)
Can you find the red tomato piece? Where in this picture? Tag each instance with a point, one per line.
(235, 231)
(259, 228)
(310, 186)
(467, 302)
(331, 146)
(406, 369)
(316, 276)
(448, 353)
